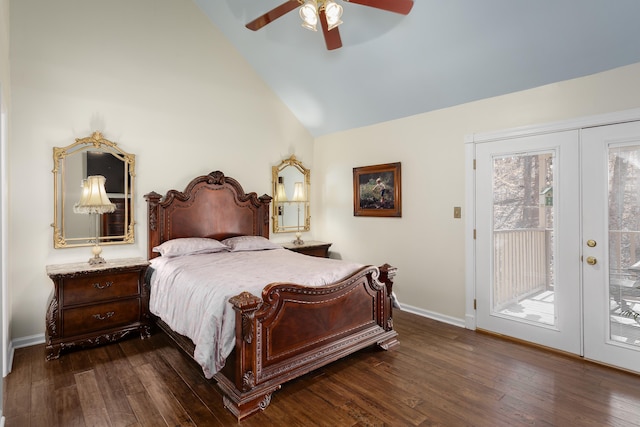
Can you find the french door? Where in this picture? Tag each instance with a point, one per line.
(611, 244)
(558, 241)
(528, 239)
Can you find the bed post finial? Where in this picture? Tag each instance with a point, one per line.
(387, 274)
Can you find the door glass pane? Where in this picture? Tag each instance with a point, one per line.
(624, 244)
(523, 273)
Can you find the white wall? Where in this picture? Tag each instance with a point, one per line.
(156, 77)
(427, 243)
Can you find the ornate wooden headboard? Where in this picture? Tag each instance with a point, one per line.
(213, 206)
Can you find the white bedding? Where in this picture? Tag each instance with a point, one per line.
(191, 293)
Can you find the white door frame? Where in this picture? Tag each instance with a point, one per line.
(470, 141)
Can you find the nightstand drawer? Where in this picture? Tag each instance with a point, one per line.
(78, 321)
(92, 288)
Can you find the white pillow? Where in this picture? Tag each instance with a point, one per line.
(189, 246)
(249, 243)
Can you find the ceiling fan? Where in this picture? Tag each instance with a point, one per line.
(328, 12)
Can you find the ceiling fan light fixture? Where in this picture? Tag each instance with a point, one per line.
(333, 12)
(327, 12)
(309, 15)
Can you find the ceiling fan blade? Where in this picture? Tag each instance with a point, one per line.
(331, 37)
(398, 6)
(272, 15)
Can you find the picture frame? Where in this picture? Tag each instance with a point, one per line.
(377, 190)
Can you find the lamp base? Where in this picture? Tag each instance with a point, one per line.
(298, 240)
(97, 259)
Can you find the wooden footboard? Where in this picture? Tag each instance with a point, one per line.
(294, 329)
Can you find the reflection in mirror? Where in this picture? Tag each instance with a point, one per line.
(291, 202)
(92, 156)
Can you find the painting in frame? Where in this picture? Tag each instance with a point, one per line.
(377, 190)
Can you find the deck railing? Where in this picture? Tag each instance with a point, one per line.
(624, 249)
(522, 264)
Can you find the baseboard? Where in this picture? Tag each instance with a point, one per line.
(28, 341)
(9, 358)
(433, 315)
(19, 343)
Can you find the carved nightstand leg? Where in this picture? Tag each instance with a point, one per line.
(145, 332)
(53, 351)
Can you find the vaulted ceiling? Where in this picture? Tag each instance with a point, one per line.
(444, 53)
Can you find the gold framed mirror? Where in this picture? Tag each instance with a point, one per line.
(72, 166)
(291, 206)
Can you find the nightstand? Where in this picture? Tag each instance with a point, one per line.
(96, 304)
(310, 247)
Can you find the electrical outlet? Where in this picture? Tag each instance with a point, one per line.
(457, 212)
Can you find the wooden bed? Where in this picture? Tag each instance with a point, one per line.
(290, 329)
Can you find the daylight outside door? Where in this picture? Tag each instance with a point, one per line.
(527, 239)
(611, 244)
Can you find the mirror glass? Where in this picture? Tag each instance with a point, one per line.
(93, 155)
(291, 185)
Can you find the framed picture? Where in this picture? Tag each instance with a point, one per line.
(377, 190)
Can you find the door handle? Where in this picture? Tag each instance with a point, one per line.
(591, 260)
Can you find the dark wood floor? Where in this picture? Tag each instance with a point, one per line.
(440, 375)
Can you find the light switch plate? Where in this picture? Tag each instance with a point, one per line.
(457, 212)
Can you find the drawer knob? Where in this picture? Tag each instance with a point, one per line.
(101, 286)
(105, 317)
